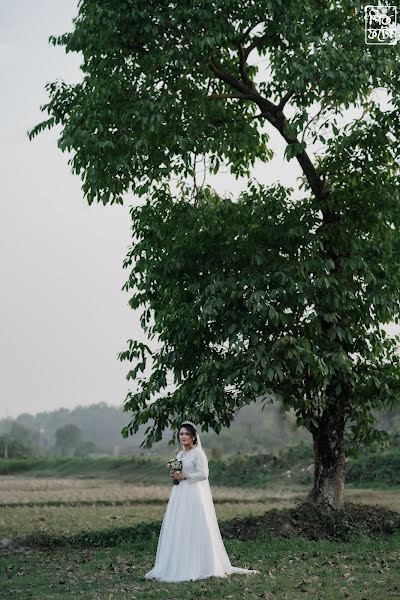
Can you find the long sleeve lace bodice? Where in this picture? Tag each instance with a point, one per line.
(194, 465)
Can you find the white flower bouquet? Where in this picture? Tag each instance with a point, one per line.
(176, 464)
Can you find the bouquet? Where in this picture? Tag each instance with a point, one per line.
(176, 464)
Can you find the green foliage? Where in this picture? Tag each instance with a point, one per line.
(13, 447)
(242, 304)
(154, 90)
(300, 453)
(257, 428)
(20, 465)
(17, 442)
(100, 425)
(241, 470)
(377, 469)
(68, 439)
(148, 470)
(246, 470)
(266, 296)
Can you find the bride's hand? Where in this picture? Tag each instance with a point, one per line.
(177, 474)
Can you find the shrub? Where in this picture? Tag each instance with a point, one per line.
(375, 468)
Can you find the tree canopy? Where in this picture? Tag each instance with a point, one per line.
(163, 83)
(270, 294)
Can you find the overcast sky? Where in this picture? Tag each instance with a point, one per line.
(63, 315)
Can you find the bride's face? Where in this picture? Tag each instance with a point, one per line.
(184, 437)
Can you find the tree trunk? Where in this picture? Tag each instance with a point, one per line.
(329, 466)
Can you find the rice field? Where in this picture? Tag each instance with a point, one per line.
(70, 505)
(32, 490)
(29, 504)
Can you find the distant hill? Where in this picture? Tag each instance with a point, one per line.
(254, 430)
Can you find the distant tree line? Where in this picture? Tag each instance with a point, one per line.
(22, 442)
(96, 429)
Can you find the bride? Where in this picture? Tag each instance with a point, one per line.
(190, 545)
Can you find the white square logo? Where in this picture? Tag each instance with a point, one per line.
(380, 25)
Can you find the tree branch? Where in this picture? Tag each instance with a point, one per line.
(243, 69)
(285, 99)
(247, 32)
(230, 79)
(239, 85)
(226, 96)
(274, 114)
(257, 41)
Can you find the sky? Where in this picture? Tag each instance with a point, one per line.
(63, 314)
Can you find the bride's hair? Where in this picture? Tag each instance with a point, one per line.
(191, 430)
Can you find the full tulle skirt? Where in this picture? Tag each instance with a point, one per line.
(190, 545)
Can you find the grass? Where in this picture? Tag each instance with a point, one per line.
(70, 519)
(66, 519)
(290, 569)
(233, 471)
(129, 468)
(239, 470)
(64, 506)
(32, 490)
(95, 539)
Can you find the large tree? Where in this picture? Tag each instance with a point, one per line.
(68, 439)
(276, 294)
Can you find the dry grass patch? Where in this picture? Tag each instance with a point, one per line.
(31, 490)
(385, 498)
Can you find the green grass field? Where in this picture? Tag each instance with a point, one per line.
(290, 569)
(65, 537)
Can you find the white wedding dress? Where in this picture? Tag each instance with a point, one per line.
(190, 545)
